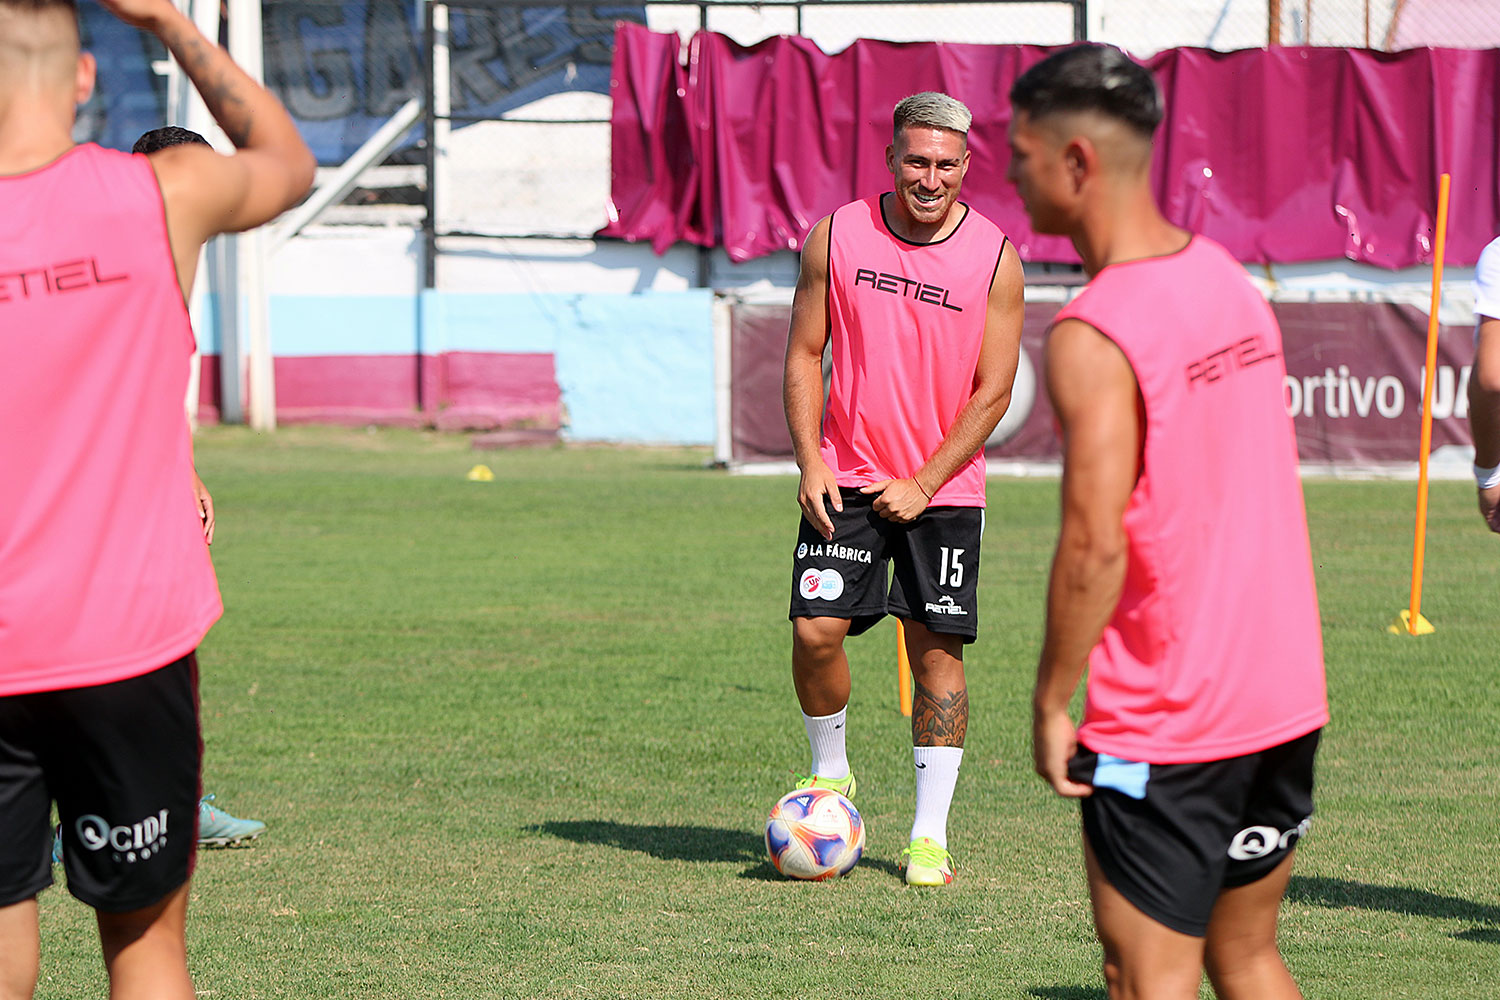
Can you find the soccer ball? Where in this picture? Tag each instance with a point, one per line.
(814, 833)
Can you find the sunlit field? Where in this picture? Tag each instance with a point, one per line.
(518, 738)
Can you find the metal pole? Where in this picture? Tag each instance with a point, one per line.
(1273, 23)
(246, 41)
(1080, 21)
(429, 128)
(1390, 31)
(429, 198)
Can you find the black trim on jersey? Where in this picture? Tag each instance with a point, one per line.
(993, 274)
(880, 204)
(828, 293)
(1192, 237)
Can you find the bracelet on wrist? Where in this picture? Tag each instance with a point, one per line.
(1487, 479)
(921, 487)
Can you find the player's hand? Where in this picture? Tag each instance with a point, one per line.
(899, 500)
(1489, 506)
(817, 483)
(1054, 741)
(205, 508)
(140, 13)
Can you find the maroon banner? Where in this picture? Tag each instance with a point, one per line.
(1281, 155)
(1353, 384)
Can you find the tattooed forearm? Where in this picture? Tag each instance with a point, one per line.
(217, 78)
(939, 720)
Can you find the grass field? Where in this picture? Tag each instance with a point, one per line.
(517, 739)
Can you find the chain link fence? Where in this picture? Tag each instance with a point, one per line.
(1390, 25)
(539, 165)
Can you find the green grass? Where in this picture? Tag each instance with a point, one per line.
(517, 739)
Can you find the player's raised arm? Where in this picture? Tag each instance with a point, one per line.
(802, 385)
(206, 193)
(1094, 393)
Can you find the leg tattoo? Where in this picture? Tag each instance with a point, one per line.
(939, 720)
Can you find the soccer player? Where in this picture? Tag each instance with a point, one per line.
(216, 827)
(920, 297)
(105, 582)
(1183, 579)
(1484, 384)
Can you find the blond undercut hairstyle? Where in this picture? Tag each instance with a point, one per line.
(931, 109)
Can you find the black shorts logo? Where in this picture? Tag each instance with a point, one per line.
(132, 842)
(1258, 841)
(821, 584)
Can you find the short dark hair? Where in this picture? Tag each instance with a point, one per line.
(1091, 78)
(167, 135)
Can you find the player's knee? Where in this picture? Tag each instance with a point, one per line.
(163, 925)
(1115, 980)
(818, 638)
(1486, 378)
(1227, 957)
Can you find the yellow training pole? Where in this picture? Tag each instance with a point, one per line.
(903, 671)
(1412, 617)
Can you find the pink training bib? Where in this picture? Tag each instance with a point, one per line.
(907, 321)
(104, 573)
(1215, 649)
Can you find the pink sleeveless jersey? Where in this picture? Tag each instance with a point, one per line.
(1215, 649)
(103, 570)
(906, 323)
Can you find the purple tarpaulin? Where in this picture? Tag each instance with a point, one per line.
(1282, 155)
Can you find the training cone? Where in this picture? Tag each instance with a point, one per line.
(481, 474)
(1403, 625)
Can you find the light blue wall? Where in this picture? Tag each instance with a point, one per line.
(630, 367)
(635, 368)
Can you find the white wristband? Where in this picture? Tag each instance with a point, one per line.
(1487, 479)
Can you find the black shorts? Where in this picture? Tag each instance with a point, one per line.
(935, 558)
(122, 762)
(1170, 837)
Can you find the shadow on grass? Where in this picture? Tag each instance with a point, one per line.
(1068, 993)
(670, 843)
(681, 843)
(1341, 893)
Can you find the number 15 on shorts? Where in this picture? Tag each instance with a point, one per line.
(950, 570)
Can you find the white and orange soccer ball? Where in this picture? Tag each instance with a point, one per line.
(814, 833)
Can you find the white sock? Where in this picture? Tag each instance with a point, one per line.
(937, 774)
(825, 734)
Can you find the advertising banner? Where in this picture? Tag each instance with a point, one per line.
(1353, 385)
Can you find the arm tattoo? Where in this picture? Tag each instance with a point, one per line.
(220, 91)
(939, 720)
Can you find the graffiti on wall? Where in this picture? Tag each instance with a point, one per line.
(342, 67)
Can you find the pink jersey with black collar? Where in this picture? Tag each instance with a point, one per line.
(1215, 649)
(104, 573)
(906, 324)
